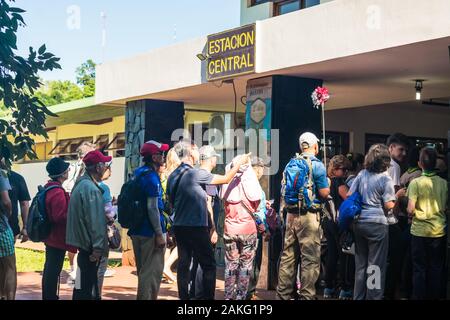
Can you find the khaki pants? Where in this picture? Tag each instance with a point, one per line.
(150, 266)
(8, 278)
(301, 241)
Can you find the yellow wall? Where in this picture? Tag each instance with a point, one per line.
(72, 131)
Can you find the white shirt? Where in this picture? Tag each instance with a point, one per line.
(394, 172)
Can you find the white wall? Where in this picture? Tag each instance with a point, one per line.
(343, 28)
(413, 120)
(36, 175)
(163, 69)
(332, 30)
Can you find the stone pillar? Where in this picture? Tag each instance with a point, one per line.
(146, 120)
(149, 120)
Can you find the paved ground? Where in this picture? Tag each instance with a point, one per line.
(122, 286)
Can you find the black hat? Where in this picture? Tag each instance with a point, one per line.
(56, 167)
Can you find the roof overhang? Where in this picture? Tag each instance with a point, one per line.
(367, 52)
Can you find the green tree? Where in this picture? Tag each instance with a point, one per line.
(18, 82)
(56, 92)
(86, 78)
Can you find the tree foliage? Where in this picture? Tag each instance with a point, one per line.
(56, 92)
(18, 82)
(86, 78)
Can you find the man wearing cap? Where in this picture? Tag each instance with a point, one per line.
(149, 242)
(86, 225)
(186, 191)
(302, 235)
(56, 206)
(208, 161)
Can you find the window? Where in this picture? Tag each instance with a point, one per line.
(287, 6)
(337, 143)
(283, 7)
(256, 2)
(67, 149)
(102, 141)
(420, 142)
(117, 145)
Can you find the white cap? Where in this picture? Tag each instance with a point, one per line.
(207, 152)
(308, 138)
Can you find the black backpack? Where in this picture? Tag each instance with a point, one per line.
(131, 203)
(38, 224)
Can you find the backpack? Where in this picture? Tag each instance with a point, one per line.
(131, 204)
(297, 184)
(349, 210)
(38, 224)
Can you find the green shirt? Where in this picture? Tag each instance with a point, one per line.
(430, 194)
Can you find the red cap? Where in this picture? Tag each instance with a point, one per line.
(95, 157)
(152, 147)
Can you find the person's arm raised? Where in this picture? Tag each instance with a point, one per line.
(224, 179)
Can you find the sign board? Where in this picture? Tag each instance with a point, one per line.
(231, 53)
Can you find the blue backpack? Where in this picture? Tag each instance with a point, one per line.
(297, 184)
(349, 210)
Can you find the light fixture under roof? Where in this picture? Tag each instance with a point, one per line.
(419, 88)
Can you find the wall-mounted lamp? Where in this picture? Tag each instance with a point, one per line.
(419, 87)
(203, 57)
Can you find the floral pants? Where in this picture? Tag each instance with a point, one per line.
(240, 251)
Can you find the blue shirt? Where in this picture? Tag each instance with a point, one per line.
(151, 185)
(262, 210)
(106, 192)
(319, 176)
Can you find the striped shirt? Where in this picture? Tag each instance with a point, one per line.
(6, 234)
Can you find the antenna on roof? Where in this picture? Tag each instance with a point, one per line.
(103, 17)
(175, 32)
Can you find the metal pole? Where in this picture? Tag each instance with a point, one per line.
(324, 136)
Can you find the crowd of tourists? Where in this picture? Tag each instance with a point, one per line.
(393, 248)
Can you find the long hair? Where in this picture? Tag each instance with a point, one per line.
(172, 161)
(378, 159)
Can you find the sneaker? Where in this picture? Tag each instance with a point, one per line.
(109, 273)
(328, 293)
(346, 295)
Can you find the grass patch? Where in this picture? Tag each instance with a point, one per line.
(33, 261)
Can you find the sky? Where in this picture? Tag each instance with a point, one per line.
(72, 29)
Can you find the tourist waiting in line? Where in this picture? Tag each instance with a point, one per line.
(337, 172)
(398, 145)
(186, 190)
(110, 216)
(86, 225)
(76, 171)
(371, 227)
(8, 271)
(258, 166)
(20, 198)
(171, 256)
(56, 207)
(149, 240)
(404, 223)
(242, 197)
(427, 206)
(302, 236)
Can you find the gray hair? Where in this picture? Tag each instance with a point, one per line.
(85, 148)
(183, 149)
